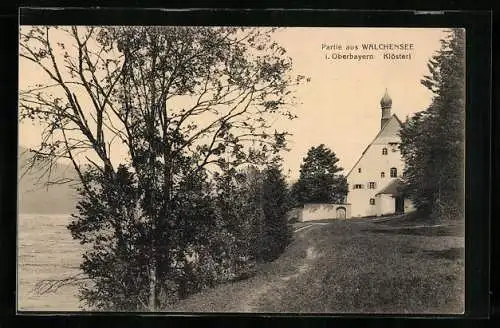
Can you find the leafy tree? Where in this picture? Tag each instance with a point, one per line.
(109, 221)
(276, 202)
(178, 101)
(253, 204)
(240, 212)
(319, 181)
(433, 140)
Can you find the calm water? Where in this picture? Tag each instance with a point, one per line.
(46, 250)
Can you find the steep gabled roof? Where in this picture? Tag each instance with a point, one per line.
(393, 188)
(394, 116)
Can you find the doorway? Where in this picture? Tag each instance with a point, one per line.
(400, 205)
(340, 212)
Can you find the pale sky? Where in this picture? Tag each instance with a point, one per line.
(340, 106)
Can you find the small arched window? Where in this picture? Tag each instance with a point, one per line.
(394, 172)
(382, 174)
(384, 151)
(372, 201)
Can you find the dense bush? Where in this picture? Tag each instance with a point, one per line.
(276, 202)
(109, 222)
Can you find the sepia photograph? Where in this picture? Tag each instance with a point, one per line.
(241, 169)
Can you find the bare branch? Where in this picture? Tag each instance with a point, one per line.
(53, 285)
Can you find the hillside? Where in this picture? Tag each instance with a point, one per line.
(353, 266)
(35, 198)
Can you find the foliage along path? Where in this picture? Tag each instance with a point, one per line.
(271, 281)
(351, 266)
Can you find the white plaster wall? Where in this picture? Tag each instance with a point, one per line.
(387, 204)
(372, 163)
(312, 212)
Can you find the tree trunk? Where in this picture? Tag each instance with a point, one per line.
(152, 284)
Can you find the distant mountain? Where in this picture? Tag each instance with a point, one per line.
(34, 198)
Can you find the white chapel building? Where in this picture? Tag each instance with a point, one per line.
(374, 180)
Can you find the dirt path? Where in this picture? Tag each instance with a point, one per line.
(249, 304)
(268, 286)
(346, 267)
(273, 289)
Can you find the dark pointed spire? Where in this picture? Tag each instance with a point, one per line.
(386, 101)
(386, 104)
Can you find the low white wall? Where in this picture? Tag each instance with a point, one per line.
(385, 204)
(312, 212)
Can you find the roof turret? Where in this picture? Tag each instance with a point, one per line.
(386, 101)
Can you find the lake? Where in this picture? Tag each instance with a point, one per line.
(46, 250)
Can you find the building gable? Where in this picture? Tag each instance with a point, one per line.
(393, 188)
(388, 134)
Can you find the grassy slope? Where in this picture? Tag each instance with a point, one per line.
(352, 267)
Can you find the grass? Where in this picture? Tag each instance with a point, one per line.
(352, 267)
(345, 266)
(420, 231)
(408, 219)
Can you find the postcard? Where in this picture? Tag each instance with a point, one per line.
(240, 169)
